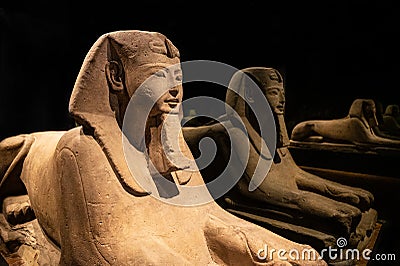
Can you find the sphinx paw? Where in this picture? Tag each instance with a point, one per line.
(366, 198)
(18, 210)
(240, 244)
(357, 197)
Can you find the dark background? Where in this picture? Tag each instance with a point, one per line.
(328, 53)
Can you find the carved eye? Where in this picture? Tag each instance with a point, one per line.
(160, 74)
(273, 92)
(179, 78)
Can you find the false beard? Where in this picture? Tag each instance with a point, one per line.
(164, 150)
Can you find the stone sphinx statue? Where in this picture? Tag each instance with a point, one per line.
(380, 129)
(357, 128)
(289, 200)
(391, 121)
(83, 193)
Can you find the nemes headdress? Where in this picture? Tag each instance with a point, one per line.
(90, 100)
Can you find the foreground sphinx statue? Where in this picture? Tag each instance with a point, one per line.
(289, 200)
(357, 128)
(84, 195)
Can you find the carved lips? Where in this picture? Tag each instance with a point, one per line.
(172, 102)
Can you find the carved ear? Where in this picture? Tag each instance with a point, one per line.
(114, 74)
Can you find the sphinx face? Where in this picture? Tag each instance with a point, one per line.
(369, 110)
(276, 98)
(170, 79)
(394, 110)
(162, 84)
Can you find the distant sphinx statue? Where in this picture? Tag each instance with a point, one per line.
(357, 128)
(381, 129)
(86, 199)
(394, 111)
(289, 200)
(391, 121)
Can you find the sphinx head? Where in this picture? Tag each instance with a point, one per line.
(117, 65)
(145, 59)
(270, 81)
(365, 110)
(392, 110)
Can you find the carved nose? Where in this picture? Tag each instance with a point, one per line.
(173, 92)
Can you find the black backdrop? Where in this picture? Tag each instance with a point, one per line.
(329, 54)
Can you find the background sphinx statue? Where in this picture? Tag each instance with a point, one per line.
(291, 201)
(391, 121)
(80, 187)
(357, 128)
(381, 129)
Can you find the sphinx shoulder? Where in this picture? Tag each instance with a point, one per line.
(77, 141)
(79, 154)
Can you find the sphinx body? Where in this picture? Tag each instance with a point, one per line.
(289, 199)
(83, 193)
